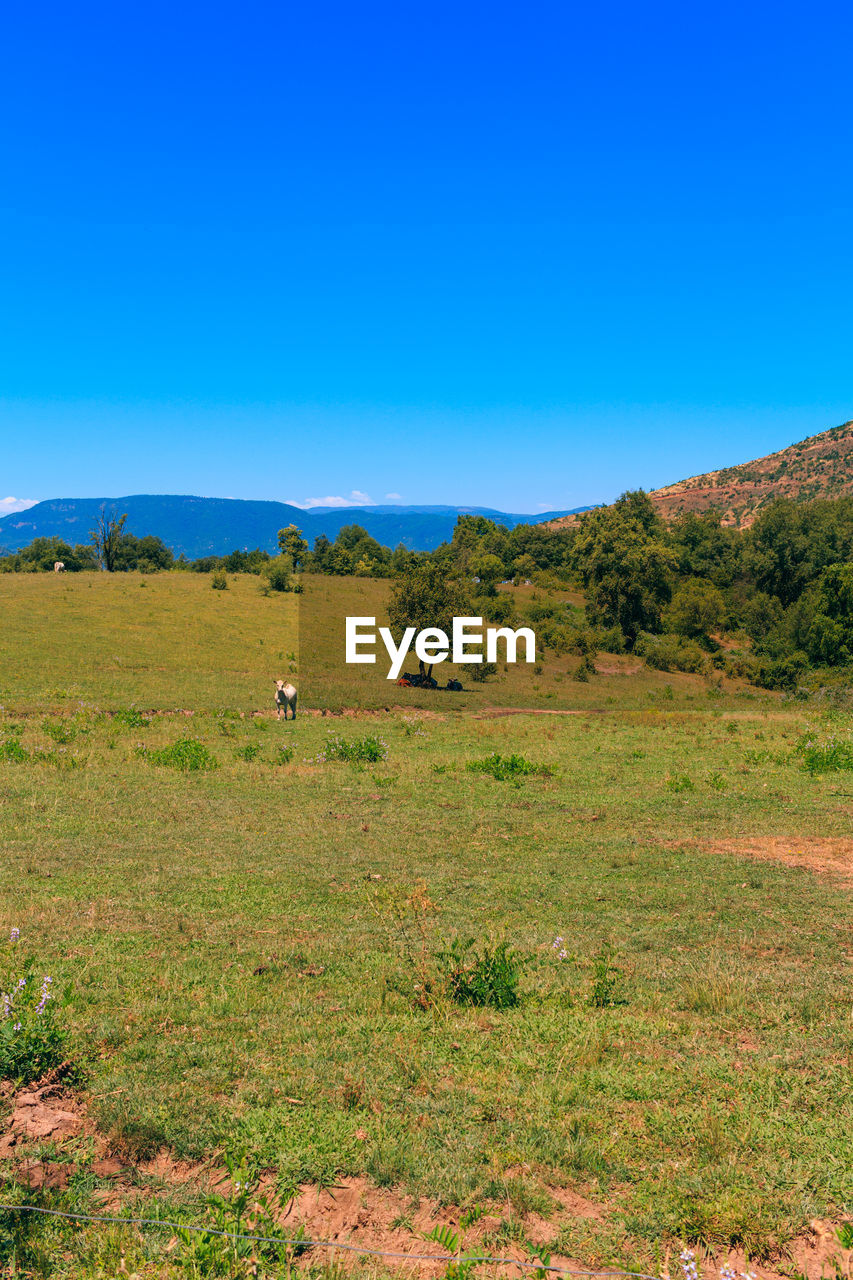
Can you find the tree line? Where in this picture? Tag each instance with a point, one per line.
(766, 603)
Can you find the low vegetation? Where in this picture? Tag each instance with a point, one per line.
(268, 966)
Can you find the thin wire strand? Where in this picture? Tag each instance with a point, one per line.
(315, 1244)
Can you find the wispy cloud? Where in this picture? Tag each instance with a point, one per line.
(356, 499)
(394, 497)
(8, 505)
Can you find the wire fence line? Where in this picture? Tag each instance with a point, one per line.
(320, 1244)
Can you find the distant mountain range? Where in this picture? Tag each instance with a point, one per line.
(198, 527)
(820, 466)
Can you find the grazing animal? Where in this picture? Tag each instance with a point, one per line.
(285, 696)
(58, 566)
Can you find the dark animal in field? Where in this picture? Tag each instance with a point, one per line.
(454, 686)
(285, 697)
(417, 681)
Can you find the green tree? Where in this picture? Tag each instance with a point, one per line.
(621, 555)
(704, 547)
(697, 608)
(426, 597)
(291, 543)
(792, 542)
(822, 622)
(106, 537)
(524, 566)
(488, 568)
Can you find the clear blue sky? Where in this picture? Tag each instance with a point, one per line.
(518, 255)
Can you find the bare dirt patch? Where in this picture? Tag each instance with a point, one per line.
(47, 1111)
(356, 1213)
(826, 855)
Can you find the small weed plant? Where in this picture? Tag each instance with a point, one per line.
(825, 755)
(250, 752)
(12, 751)
(605, 981)
(242, 1212)
(481, 672)
(187, 755)
(61, 731)
(367, 750)
(508, 768)
(481, 977)
(31, 1039)
(130, 718)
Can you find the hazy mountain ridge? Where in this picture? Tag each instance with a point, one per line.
(196, 526)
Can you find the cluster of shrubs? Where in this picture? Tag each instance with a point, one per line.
(144, 555)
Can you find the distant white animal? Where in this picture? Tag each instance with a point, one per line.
(58, 566)
(285, 697)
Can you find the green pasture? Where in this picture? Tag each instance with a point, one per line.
(252, 952)
(152, 641)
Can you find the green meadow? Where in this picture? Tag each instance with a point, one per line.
(256, 954)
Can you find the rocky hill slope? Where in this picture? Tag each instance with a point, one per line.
(820, 466)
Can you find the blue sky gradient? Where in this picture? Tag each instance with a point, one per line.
(522, 256)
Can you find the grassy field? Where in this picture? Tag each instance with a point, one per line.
(119, 640)
(253, 952)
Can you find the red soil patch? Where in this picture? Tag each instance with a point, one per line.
(827, 855)
(42, 1112)
(356, 1213)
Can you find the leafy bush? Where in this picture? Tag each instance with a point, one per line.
(284, 755)
(825, 756)
(187, 754)
(31, 1039)
(671, 653)
(278, 573)
(741, 666)
(503, 768)
(480, 671)
(250, 752)
(781, 673)
(219, 580)
(366, 750)
(487, 977)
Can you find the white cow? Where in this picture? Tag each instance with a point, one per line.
(285, 696)
(58, 566)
